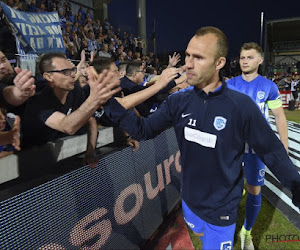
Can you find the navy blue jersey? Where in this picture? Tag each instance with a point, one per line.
(211, 131)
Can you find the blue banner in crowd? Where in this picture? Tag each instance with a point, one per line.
(37, 32)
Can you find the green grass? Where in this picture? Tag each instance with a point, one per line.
(270, 221)
(292, 115)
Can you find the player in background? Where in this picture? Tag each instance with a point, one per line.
(266, 95)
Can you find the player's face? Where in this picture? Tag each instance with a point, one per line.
(250, 61)
(6, 70)
(200, 60)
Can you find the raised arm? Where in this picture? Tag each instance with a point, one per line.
(174, 59)
(135, 99)
(80, 64)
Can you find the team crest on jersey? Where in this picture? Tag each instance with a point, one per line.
(260, 95)
(220, 122)
(262, 172)
(227, 245)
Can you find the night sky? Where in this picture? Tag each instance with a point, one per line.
(177, 21)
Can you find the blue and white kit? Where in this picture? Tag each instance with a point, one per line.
(266, 95)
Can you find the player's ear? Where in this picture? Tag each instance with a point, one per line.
(220, 62)
(261, 60)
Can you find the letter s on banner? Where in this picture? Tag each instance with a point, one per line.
(121, 216)
(80, 234)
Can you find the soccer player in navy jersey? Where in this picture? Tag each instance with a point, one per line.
(266, 95)
(211, 129)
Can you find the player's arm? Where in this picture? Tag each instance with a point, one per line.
(270, 150)
(280, 119)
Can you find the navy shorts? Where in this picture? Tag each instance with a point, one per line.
(214, 237)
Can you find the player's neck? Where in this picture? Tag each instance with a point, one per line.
(248, 77)
(212, 86)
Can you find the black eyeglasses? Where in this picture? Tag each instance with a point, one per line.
(66, 72)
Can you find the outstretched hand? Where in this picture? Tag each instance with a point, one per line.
(173, 60)
(24, 82)
(166, 76)
(103, 86)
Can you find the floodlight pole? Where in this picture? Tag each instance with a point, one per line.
(141, 20)
(261, 27)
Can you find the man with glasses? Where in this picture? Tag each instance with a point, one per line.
(62, 109)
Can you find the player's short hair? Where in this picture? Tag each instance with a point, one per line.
(252, 45)
(222, 42)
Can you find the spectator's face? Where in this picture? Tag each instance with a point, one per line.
(91, 35)
(83, 69)
(84, 43)
(6, 70)
(82, 81)
(250, 61)
(140, 75)
(114, 69)
(104, 48)
(296, 77)
(58, 80)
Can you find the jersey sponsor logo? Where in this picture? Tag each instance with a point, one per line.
(260, 180)
(185, 115)
(226, 245)
(261, 95)
(220, 122)
(202, 138)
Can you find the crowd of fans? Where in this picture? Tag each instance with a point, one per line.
(67, 96)
(81, 31)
